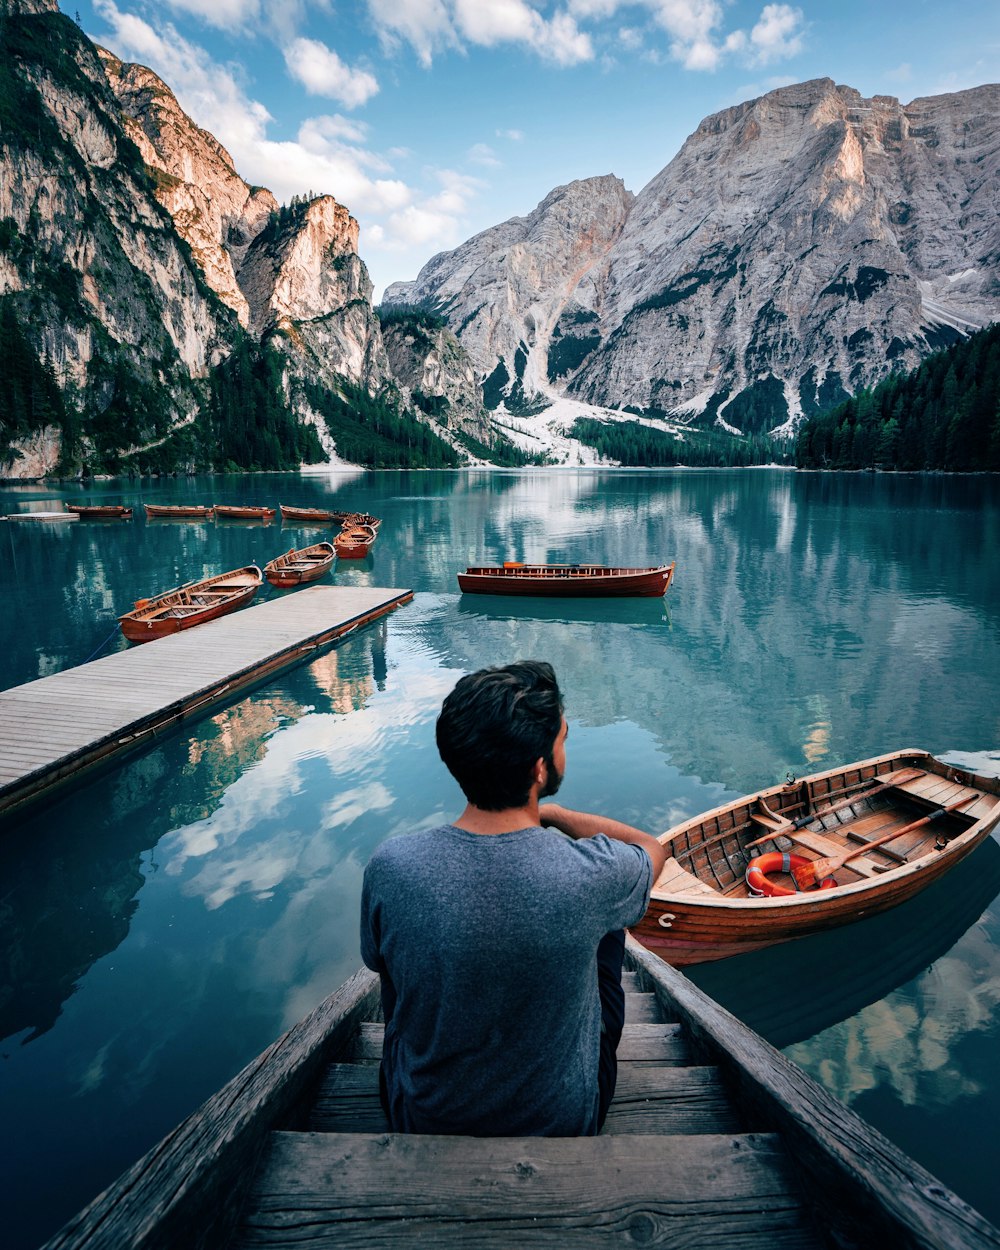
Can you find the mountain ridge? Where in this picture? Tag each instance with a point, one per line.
(798, 246)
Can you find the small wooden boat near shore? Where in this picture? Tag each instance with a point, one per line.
(713, 1138)
(101, 511)
(190, 510)
(239, 512)
(320, 516)
(303, 565)
(355, 541)
(190, 605)
(598, 580)
(813, 854)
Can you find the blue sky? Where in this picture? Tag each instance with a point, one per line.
(434, 119)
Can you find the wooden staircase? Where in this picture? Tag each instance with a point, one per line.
(679, 1163)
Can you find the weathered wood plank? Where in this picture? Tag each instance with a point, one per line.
(708, 1193)
(647, 1100)
(865, 1190)
(186, 1191)
(660, 1044)
(670, 1100)
(642, 1009)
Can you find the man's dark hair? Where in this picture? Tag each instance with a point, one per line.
(494, 725)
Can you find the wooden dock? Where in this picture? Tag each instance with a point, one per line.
(714, 1139)
(53, 729)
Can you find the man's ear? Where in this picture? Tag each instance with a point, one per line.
(540, 772)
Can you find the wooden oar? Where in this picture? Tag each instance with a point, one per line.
(790, 827)
(807, 875)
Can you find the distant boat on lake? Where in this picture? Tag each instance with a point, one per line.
(814, 854)
(239, 512)
(193, 510)
(101, 511)
(321, 516)
(304, 565)
(191, 605)
(588, 580)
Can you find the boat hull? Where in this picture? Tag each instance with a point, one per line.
(232, 512)
(101, 512)
(322, 516)
(687, 928)
(567, 581)
(305, 565)
(354, 543)
(178, 510)
(180, 609)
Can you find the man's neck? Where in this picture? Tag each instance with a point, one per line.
(477, 820)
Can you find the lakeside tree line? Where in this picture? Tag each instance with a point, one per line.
(943, 415)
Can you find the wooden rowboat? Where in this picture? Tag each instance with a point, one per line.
(237, 512)
(904, 819)
(191, 604)
(513, 578)
(178, 510)
(321, 516)
(304, 565)
(355, 541)
(713, 1139)
(101, 511)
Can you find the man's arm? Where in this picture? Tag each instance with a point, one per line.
(585, 825)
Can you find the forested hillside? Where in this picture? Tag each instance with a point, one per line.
(943, 415)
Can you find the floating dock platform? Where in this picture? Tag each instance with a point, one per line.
(55, 728)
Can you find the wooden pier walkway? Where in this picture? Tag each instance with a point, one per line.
(714, 1139)
(53, 729)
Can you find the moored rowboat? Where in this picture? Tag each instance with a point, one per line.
(304, 565)
(191, 604)
(355, 541)
(239, 512)
(178, 510)
(870, 835)
(513, 578)
(102, 511)
(321, 516)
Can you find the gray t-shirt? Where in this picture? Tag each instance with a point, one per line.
(486, 946)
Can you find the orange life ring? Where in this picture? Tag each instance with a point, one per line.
(777, 861)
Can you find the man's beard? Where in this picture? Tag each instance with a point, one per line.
(553, 780)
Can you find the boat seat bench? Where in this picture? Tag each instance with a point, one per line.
(676, 879)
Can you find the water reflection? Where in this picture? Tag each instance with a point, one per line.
(802, 988)
(71, 884)
(183, 909)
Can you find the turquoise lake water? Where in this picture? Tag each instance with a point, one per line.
(163, 923)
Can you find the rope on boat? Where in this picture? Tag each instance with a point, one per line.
(102, 646)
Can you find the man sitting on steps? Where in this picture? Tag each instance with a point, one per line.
(499, 942)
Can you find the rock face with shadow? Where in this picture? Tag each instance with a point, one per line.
(799, 246)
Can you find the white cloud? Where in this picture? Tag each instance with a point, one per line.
(483, 154)
(777, 34)
(322, 72)
(902, 73)
(515, 135)
(432, 26)
(226, 14)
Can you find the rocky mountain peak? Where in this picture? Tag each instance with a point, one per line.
(800, 245)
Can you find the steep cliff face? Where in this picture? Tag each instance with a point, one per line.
(108, 296)
(292, 275)
(523, 296)
(799, 246)
(135, 262)
(439, 376)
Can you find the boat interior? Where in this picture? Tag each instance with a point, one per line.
(713, 857)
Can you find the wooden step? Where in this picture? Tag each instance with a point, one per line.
(354, 1190)
(643, 1009)
(643, 1043)
(655, 1100)
(648, 1099)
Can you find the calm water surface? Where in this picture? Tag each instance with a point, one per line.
(163, 923)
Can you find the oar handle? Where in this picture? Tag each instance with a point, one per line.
(898, 833)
